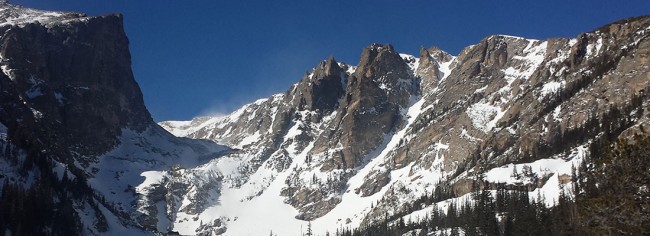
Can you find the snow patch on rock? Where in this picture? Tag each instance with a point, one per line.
(484, 116)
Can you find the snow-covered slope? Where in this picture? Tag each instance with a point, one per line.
(141, 160)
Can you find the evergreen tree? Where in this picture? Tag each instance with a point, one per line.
(616, 197)
(309, 231)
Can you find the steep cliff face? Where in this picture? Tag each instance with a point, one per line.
(379, 87)
(76, 135)
(75, 72)
(402, 126)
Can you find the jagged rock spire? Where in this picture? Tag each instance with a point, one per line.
(331, 67)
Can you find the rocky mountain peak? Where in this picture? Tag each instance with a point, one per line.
(331, 66)
(429, 66)
(424, 53)
(380, 86)
(436, 53)
(378, 56)
(321, 89)
(327, 68)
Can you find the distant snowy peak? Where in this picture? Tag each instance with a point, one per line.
(17, 15)
(185, 128)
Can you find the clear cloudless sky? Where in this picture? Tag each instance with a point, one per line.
(201, 57)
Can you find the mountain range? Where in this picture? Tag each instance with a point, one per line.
(347, 147)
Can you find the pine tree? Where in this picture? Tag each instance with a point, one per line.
(508, 228)
(309, 231)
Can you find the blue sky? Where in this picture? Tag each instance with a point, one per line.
(208, 56)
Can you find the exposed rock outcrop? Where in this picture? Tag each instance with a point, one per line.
(377, 90)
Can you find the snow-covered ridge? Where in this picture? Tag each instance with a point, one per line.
(18, 15)
(186, 127)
